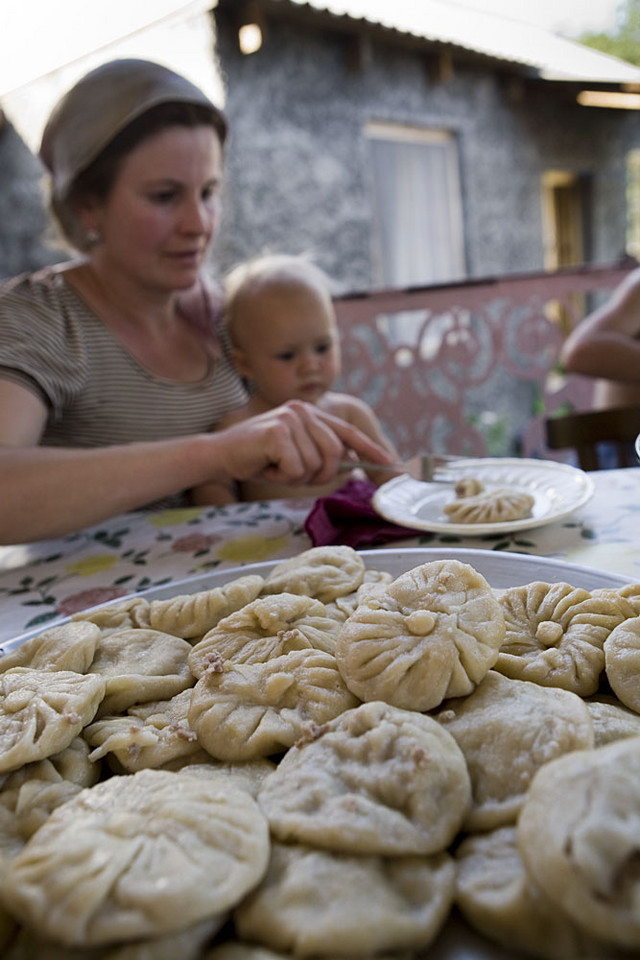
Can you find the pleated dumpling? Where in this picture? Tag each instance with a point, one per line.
(141, 665)
(265, 628)
(321, 572)
(138, 856)
(622, 662)
(555, 634)
(578, 834)
(69, 646)
(315, 903)
(498, 898)
(507, 729)
(149, 735)
(241, 711)
(42, 711)
(490, 506)
(188, 944)
(433, 632)
(120, 615)
(611, 719)
(36, 789)
(371, 781)
(190, 616)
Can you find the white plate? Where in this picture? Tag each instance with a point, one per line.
(558, 490)
(501, 569)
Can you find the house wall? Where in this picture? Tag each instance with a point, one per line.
(299, 175)
(298, 168)
(25, 240)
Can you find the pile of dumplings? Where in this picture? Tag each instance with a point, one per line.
(326, 762)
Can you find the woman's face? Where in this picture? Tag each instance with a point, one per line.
(159, 217)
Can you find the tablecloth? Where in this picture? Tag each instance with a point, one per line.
(43, 582)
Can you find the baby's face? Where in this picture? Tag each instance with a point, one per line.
(289, 346)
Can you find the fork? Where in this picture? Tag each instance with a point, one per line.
(425, 466)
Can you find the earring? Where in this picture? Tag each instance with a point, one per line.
(93, 237)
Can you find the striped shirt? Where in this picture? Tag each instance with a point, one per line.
(95, 391)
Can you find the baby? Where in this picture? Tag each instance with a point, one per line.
(283, 329)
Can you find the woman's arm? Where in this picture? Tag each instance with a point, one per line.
(48, 491)
(606, 344)
(360, 414)
(218, 493)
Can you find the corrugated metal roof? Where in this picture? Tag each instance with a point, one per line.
(450, 21)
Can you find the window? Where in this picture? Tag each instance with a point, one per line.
(562, 219)
(633, 203)
(563, 215)
(419, 236)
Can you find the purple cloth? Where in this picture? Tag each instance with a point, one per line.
(347, 517)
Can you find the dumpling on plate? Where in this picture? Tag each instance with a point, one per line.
(147, 736)
(578, 837)
(140, 665)
(500, 505)
(468, 487)
(265, 628)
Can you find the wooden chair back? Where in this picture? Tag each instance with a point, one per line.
(583, 431)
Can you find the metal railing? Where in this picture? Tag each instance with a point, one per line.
(471, 367)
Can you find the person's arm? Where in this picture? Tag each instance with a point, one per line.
(218, 493)
(360, 414)
(606, 344)
(48, 491)
(214, 494)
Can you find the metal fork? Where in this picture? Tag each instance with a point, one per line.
(424, 466)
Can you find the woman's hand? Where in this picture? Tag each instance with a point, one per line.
(295, 443)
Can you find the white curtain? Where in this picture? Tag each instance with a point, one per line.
(418, 209)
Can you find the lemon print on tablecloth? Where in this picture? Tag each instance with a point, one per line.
(175, 516)
(97, 563)
(251, 548)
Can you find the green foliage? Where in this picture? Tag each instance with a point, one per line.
(624, 42)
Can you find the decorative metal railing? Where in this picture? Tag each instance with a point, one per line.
(471, 367)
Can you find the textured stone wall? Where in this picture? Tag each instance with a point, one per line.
(298, 167)
(25, 237)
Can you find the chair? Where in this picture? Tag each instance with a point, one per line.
(585, 430)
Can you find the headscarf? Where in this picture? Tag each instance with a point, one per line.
(101, 105)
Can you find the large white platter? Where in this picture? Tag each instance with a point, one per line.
(457, 941)
(557, 488)
(501, 569)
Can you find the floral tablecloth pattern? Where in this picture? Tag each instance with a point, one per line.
(44, 582)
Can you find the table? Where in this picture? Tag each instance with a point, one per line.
(43, 582)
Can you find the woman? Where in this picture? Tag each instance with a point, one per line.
(111, 368)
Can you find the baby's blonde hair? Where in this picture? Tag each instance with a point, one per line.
(273, 271)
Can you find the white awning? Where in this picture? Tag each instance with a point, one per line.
(38, 37)
(46, 45)
(449, 21)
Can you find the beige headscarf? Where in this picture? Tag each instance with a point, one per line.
(103, 103)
